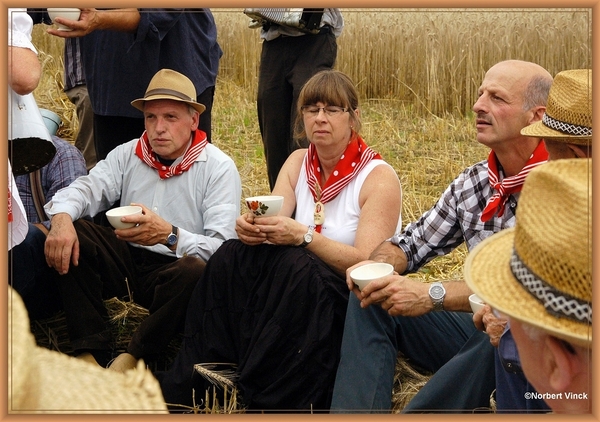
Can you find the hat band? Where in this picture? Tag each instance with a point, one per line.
(555, 302)
(567, 128)
(164, 91)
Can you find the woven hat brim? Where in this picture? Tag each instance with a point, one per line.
(487, 272)
(69, 385)
(46, 381)
(139, 103)
(540, 130)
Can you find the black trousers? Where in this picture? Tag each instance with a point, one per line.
(107, 265)
(286, 63)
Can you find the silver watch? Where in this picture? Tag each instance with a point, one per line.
(437, 294)
(308, 237)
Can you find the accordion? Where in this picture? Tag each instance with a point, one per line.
(306, 20)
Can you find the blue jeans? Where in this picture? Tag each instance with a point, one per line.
(32, 278)
(445, 343)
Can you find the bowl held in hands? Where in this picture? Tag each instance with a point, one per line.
(363, 275)
(476, 303)
(70, 13)
(114, 215)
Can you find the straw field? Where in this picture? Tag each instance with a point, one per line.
(417, 72)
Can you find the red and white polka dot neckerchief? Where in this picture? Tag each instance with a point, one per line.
(353, 160)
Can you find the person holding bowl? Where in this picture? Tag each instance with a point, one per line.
(273, 302)
(189, 192)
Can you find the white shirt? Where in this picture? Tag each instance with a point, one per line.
(20, 26)
(331, 17)
(342, 212)
(202, 202)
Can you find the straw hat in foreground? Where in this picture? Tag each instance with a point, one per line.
(568, 115)
(540, 271)
(46, 381)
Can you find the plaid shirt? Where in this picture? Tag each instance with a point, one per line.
(66, 165)
(454, 219)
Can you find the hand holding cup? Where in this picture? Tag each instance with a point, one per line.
(363, 275)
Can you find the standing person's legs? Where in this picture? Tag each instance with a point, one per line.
(206, 98)
(286, 64)
(84, 141)
(112, 131)
(274, 99)
(317, 52)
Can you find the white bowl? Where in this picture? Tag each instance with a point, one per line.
(476, 303)
(114, 216)
(70, 13)
(264, 206)
(363, 275)
(51, 120)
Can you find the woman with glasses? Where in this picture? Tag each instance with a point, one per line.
(272, 302)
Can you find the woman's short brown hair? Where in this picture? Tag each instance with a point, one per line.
(330, 87)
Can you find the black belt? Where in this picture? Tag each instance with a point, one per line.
(325, 29)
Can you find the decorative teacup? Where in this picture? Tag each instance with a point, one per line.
(264, 206)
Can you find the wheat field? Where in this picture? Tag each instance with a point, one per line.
(417, 72)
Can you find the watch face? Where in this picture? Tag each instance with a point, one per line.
(436, 292)
(172, 239)
(308, 237)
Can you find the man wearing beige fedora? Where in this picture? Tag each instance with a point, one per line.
(539, 275)
(430, 323)
(566, 128)
(189, 191)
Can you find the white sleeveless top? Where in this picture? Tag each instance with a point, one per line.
(342, 212)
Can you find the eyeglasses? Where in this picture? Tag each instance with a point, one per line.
(331, 111)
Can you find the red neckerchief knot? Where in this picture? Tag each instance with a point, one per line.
(356, 156)
(144, 151)
(509, 185)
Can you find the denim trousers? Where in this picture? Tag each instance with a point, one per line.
(444, 343)
(32, 278)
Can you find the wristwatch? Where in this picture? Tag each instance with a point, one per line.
(437, 294)
(308, 237)
(172, 238)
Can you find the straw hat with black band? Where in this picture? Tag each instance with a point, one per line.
(46, 381)
(568, 115)
(540, 271)
(168, 84)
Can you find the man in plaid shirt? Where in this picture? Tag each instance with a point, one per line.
(431, 323)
